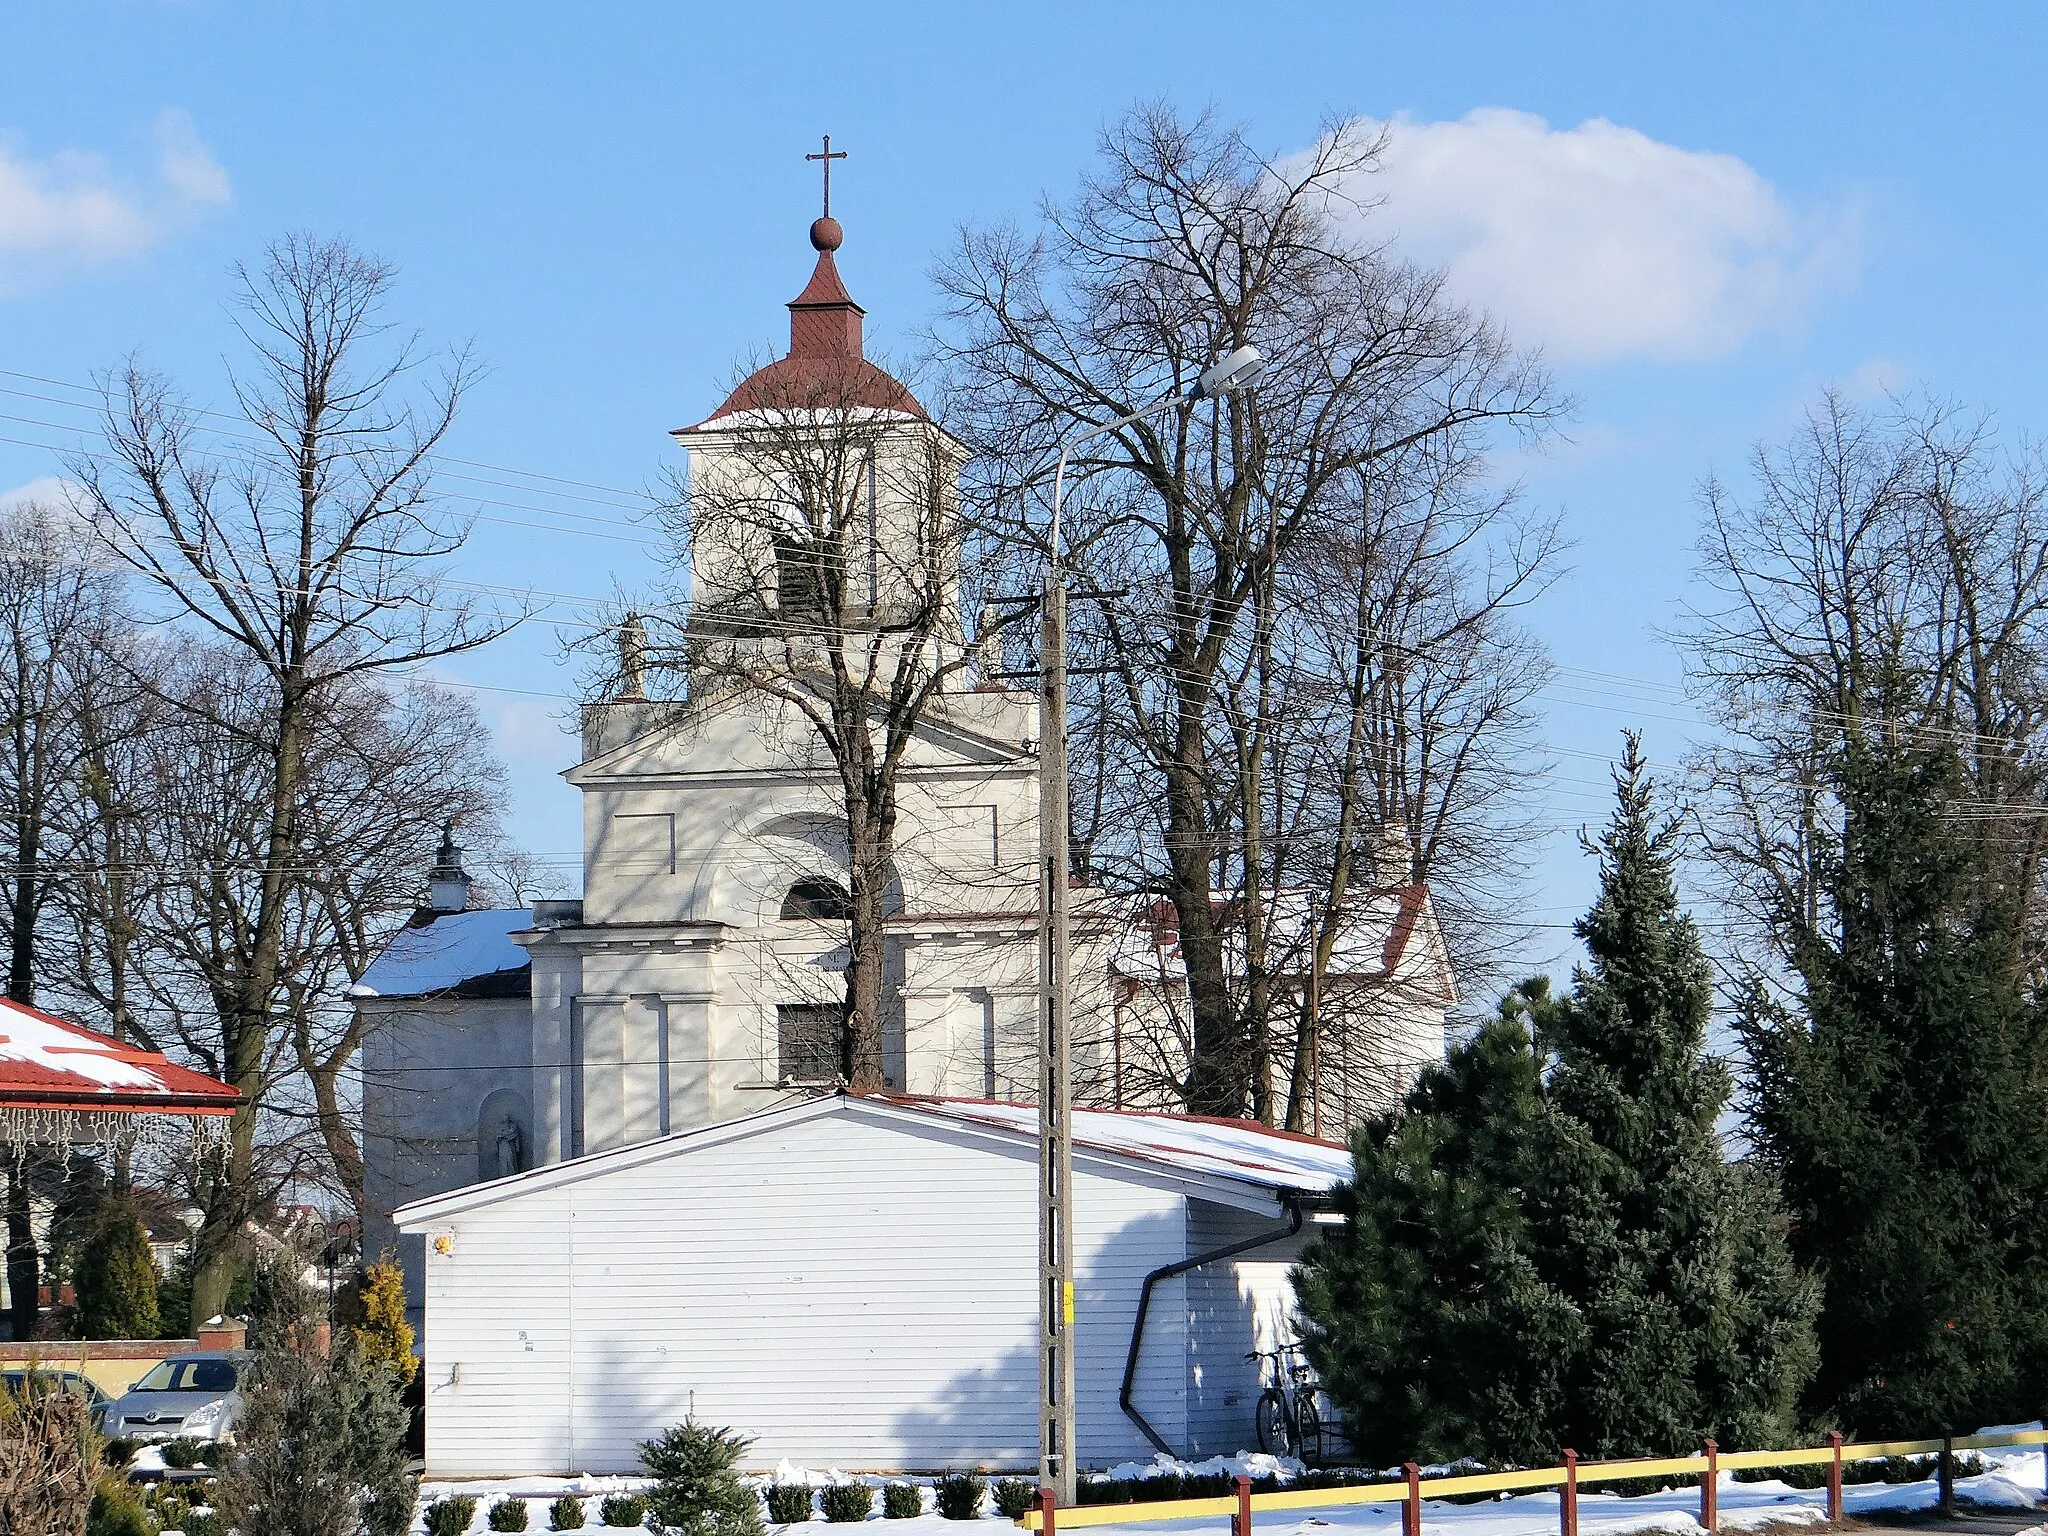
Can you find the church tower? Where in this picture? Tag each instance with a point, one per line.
(823, 502)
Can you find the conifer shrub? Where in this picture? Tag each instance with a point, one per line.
(320, 1447)
(959, 1495)
(116, 1277)
(507, 1515)
(902, 1501)
(566, 1513)
(623, 1511)
(171, 1511)
(697, 1486)
(180, 1455)
(789, 1503)
(204, 1523)
(119, 1451)
(1013, 1495)
(451, 1514)
(378, 1319)
(115, 1511)
(846, 1502)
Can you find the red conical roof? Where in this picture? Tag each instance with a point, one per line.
(825, 368)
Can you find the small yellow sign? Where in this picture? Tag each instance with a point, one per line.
(1070, 1303)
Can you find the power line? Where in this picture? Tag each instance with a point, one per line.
(610, 490)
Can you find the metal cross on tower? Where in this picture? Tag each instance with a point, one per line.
(828, 157)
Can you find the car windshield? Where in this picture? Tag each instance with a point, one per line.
(189, 1376)
(16, 1382)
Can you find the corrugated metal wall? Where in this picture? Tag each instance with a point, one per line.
(853, 1293)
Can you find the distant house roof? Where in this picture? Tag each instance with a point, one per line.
(453, 954)
(1236, 1161)
(48, 1063)
(1386, 936)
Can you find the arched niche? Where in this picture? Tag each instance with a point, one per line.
(748, 879)
(504, 1135)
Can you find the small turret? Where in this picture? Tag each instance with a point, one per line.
(448, 881)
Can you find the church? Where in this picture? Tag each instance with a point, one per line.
(699, 979)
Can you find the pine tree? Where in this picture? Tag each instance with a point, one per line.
(1900, 1098)
(116, 1277)
(1549, 1247)
(1420, 1310)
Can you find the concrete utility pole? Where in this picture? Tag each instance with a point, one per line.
(1058, 1454)
(1056, 1468)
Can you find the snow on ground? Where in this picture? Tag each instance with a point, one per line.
(2014, 1478)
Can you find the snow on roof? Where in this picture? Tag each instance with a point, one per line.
(46, 1063)
(448, 951)
(1234, 1149)
(1215, 1154)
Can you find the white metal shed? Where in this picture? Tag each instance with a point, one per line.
(852, 1281)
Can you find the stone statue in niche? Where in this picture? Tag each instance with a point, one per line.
(509, 1150)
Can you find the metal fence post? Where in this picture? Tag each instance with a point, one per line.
(1048, 1508)
(1568, 1501)
(1835, 1477)
(1411, 1507)
(1710, 1488)
(1947, 1473)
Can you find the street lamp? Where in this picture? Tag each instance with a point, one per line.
(1056, 1448)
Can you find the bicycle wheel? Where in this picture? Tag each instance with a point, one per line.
(1272, 1420)
(1308, 1427)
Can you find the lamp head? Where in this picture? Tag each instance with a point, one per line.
(1228, 374)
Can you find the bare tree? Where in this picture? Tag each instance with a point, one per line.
(1185, 245)
(1884, 578)
(56, 614)
(310, 544)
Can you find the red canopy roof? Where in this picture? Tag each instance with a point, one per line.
(824, 370)
(46, 1063)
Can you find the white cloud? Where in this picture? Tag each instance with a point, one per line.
(188, 165)
(73, 208)
(529, 729)
(49, 490)
(1876, 377)
(1598, 242)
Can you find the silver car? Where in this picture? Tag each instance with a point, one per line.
(187, 1397)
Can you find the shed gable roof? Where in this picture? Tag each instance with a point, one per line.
(1227, 1159)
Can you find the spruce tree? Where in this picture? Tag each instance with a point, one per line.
(1902, 1098)
(1549, 1247)
(1696, 1320)
(698, 1490)
(116, 1277)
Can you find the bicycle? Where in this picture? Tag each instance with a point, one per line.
(1286, 1417)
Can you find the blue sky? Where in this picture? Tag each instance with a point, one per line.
(1703, 219)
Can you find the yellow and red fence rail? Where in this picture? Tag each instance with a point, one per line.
(1568, 1477)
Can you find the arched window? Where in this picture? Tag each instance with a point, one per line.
(815, 896)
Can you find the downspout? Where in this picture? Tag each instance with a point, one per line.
(1296, 1209)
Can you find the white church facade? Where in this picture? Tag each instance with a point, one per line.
(699, 978)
